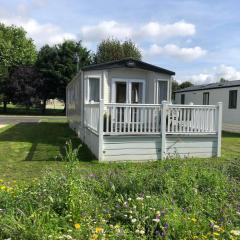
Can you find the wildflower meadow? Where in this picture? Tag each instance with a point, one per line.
(174, 199)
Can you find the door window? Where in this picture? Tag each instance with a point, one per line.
(137, 92)
(162, 91)
(128, 91)
(121, 92)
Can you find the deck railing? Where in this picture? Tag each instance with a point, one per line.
(135, 119)
(192, 119)
(92, 115)
(132, 119)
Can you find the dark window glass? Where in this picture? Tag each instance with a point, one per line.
(232, 99)
(121, 93)
(206, 98)
(182, 98)
(93, 89)
(162, 91)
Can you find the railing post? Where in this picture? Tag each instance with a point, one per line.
(100, 129)
(219, 135)
(163, 129)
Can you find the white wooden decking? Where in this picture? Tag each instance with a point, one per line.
(115, 132)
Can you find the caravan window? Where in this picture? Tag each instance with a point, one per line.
(206, 98)
(232, 99)
(93, 89)
(182, 98)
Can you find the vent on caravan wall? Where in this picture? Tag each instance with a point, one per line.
(130, 64)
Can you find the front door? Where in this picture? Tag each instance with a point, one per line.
(130, 92)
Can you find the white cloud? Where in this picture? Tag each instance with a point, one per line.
(41, 33)
(172, 50)
(156, 30)
(151, 31)
(104, 30)
(222, 71)
(49, 33)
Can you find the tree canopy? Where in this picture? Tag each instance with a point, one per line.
(58, 66)
(176, 86)
(113, 49)
(23, 85)
(16, 49)
(185, 84)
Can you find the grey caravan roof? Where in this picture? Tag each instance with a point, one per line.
(226, 84)
(129, 63)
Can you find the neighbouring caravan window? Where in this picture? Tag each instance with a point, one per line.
(206, 98)
(182, 98)
(93, 89)
(232, 99)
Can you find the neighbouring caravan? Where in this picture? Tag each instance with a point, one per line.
(227, 92)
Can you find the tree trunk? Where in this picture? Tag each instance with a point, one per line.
(44, 106)
(4, 106)
(64, 110)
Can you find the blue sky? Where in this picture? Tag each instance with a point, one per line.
(199, 40)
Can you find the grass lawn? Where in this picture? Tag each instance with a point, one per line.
(28, 148)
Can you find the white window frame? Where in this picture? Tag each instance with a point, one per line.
(129, 87)
(87, 90)
(156, 100)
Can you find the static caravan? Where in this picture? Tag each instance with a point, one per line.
(227, 92)
(122, 110)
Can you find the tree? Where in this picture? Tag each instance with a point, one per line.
(58, 66)
(222, 80)
(130, 50)
(47, 60)
(113, 49)
(175, 87)
(185, 85)
(15, 50)
(22, 85)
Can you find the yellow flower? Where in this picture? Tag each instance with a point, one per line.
(3, 187)
(235, 232)
(9, 189)
(216, 234)
(117, 226)
(94, 237)
(77, 226)
(194, 219)
(99, 230)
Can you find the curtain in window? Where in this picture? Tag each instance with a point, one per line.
(93, 89)
(137, 92)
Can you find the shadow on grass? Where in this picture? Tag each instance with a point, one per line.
(17, 110)
(47, 140)
(230, 134)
